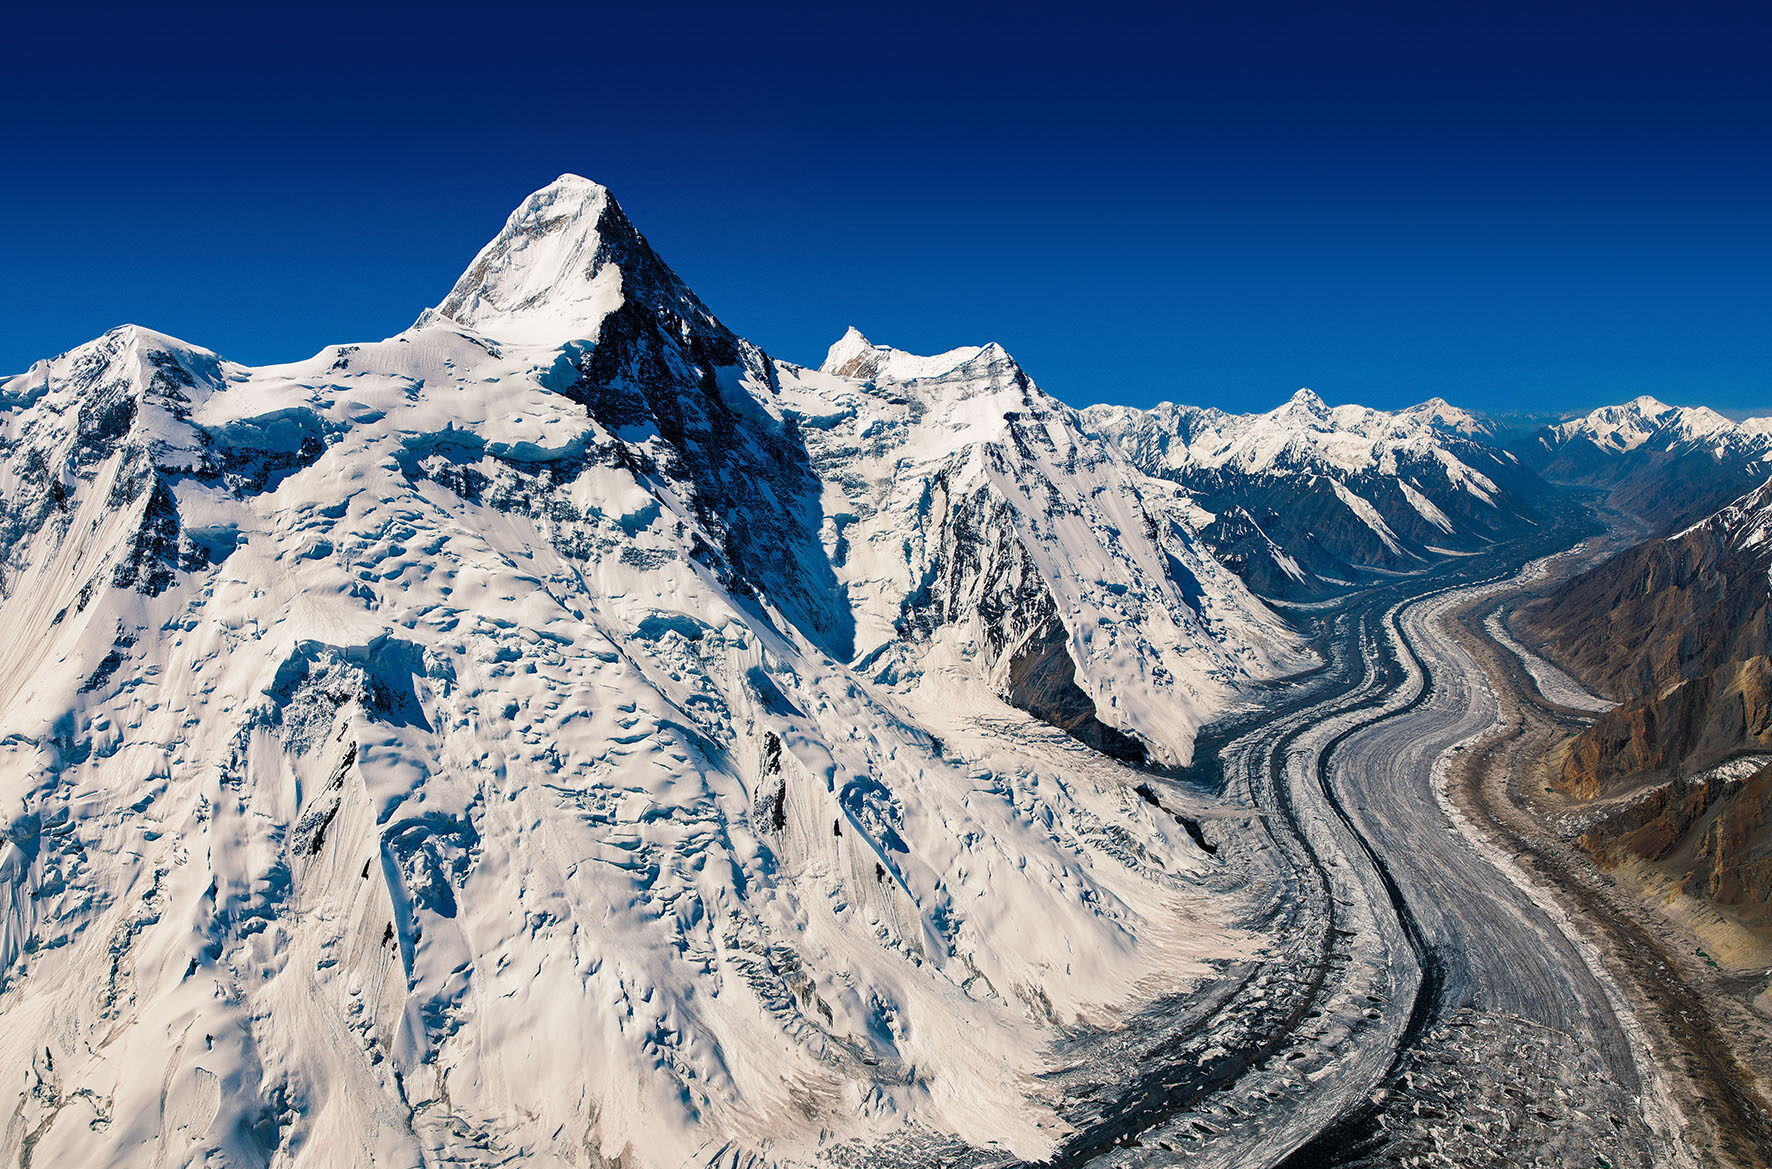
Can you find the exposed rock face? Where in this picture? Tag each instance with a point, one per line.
(1711, 837)
(1677, 629)
(1302, 500)
(1667, 610)
(1679, 730)
(1671, 465)
(1042, 680)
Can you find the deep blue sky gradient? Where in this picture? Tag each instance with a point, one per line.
(1514, 206)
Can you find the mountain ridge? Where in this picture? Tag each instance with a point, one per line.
(1305, 498)
(563, 732)
(1670, 465)
(1679, 629)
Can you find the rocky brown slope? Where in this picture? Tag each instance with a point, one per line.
(1677, 630)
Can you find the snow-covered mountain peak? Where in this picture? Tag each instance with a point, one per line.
(544, 269)
(567, 258)
(1646, 421)
(1326, 489)
(854, 356)
(141, 338)
(122, 370)
(849, 353)
(1669, 464)
(1307, 399)
(1441, 415)
(1699, 421)
(1624, 427)
(980, 532)
(382, 731)
(1302, 433)
(134, 342)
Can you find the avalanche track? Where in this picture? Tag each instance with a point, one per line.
(1430, 1004)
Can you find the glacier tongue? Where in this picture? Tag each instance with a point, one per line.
(558, 732)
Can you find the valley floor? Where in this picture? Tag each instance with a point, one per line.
(1708, 1039)
(1449, 983)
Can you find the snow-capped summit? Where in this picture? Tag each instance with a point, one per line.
(1307, 401)
(975, 523)
(1303, 496)
(854, 356)
(546, 273)
(1644, 420)
(849, 354)
(566, 259)
(1442, 415)
(1619, 428)
(559, 734)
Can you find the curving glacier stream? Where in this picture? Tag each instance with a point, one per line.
(1425, 1001)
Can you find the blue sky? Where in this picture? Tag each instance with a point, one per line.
(1514, 206)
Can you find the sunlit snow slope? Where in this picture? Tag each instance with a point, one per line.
(559, 733)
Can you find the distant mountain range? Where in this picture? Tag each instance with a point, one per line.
(1669, 464)
(1305, 499)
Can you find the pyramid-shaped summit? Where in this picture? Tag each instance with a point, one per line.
(567, 259)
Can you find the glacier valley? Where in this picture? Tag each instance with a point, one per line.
(563, 734)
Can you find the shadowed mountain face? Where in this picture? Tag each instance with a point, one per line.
(1305, 500)
(1666, 610)
(1677, 629)
(652, 365)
